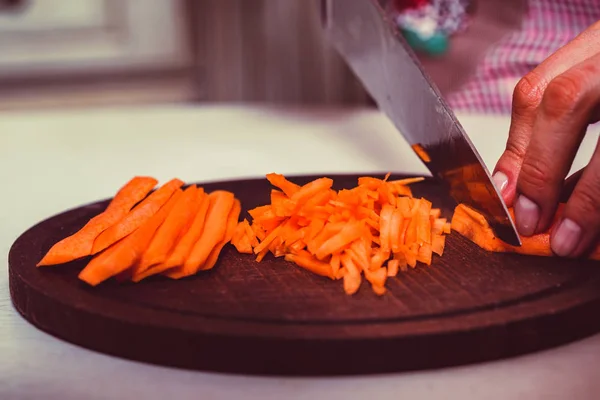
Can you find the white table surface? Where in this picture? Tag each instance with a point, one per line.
(57, 160)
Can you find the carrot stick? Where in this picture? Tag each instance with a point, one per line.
(349, 233)
(385, 222)
(221, 203)
(310, 189)
(232, 220)
(165, 238)
(393, 267)
(80, 244)
(307, 261)
(279, 181)
(184, 244)
(126, 252)
(136, 217)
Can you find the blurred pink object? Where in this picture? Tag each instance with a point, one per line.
(546, 26)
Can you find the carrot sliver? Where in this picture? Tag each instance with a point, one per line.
(221, 203)
(376, 278)
(307, 261)
(137, 216)
(243, 245)
(396, 230)
(167, 234)
(279, 181)
(385, 222)
(392, 267)
(184, 245)
(232, 219)
(125, 253)
(310, 189)
(438, 242)
(81, 243)
(348, 234)
(425, 254)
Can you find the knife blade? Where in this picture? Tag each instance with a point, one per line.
(376, 52)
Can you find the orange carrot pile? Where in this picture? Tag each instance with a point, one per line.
(376, 228)
(170, 231)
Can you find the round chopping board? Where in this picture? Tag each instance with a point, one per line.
(275, 318)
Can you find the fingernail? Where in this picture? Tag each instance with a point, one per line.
(565, 238)
(527, 215)
(500, 180)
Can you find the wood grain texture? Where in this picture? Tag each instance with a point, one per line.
(274, 318)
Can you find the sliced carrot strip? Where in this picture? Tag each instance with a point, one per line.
(185, 244)
(125, 253)
(396, 230)
(136, 217)
(279, 181)
(385, 222)
(81, 243)
(167, 234)
(307, 261)
(349, 233)
(438, 243)
(310, 189)
(392, 267)
(221, 203)
(232, 220)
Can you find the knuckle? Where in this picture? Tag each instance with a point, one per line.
(562, 95)
(528, 93)
(534, 177)
(517, 147)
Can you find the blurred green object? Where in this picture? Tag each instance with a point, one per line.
(435, 45)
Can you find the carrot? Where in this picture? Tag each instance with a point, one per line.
(309, 262)
(221, 203)
(392, 269)
(279, 181)
(136, 217)
(472, 225)
(185, 244)
(126, 252)
(347, 233)
(167, 234)
(232, 220)
(80, 244)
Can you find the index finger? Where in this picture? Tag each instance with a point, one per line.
(527, 97)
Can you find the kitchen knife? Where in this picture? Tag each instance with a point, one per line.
(373, 47)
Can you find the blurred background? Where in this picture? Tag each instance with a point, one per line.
(78, 53)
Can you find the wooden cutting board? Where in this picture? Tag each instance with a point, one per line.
(275, 318)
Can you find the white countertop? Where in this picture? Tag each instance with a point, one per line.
(53, 161)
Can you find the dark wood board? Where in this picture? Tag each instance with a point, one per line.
(274, 318)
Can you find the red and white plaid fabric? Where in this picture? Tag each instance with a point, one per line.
(549, 25)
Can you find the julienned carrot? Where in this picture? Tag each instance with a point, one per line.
(126, 252)
(80, 243)
(221, 203)
(472, 225)
(167, 234)
(136, 217)
(279, 181)
(348, 233)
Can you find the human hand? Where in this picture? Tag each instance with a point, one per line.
(552, 107)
